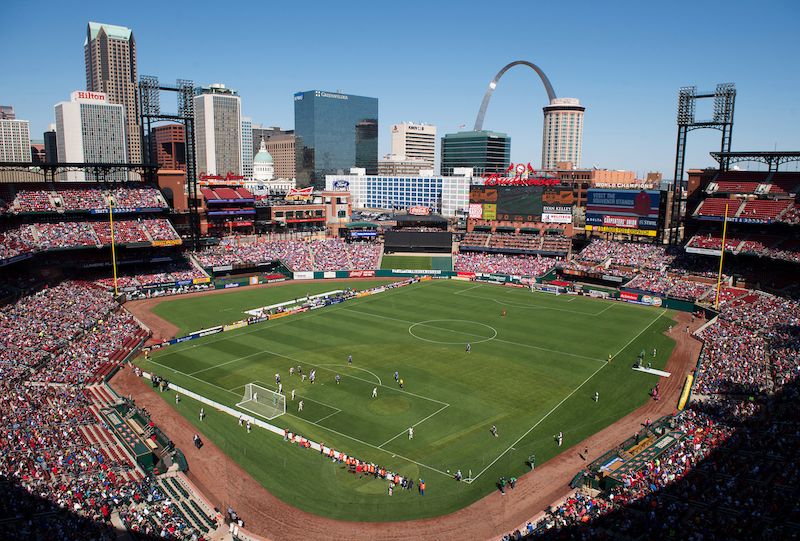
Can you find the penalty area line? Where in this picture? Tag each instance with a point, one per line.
(414, 425)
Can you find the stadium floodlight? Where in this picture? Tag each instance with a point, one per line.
(262, 401)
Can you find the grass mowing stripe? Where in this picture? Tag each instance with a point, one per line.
(569, 395)
(260, 327)
(537, 306)
(414, 425)
(227, 362)
(546, 415)
(423, 324)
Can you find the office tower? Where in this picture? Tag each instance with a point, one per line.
(218, 130)
(334, 132)
(50, 144)
(169, 145)
(247, 147)
(415, 141)
(15, 140)
(486, 152)
(110, 55)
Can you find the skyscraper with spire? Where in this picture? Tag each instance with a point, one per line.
(110, 54)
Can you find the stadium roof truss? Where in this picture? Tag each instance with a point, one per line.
(772, 159)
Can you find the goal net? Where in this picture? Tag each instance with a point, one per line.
(262, 401)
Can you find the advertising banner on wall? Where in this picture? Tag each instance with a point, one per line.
(362, 274)
(556, 218)
(634, 210)
(305, 275)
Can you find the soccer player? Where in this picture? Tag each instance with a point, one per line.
(312, 376)
(560, 438)
(300, 406)
(202, 413)
(396, 376)
(277, 378)
(401, 383)
(374, 392)
(596, 396)
(292, 394)
(654, 352)
(338, 379)
(249, 427)
(280, 388)
(469, 347)
(493, 430)
(503, 313)
(349, 359)
(291, 370)
(177, 399)
(411, 432)
(255, 397)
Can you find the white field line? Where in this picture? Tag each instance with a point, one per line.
(532, 306)
(567, 397)
(546, 415)
(227, 362)
(370, 314)
(259, 327)
(414, 425)
(357, 368)
(315, 423)
(468, 289)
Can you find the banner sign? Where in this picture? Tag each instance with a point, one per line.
(605, 229)
(232, 326)
(203, 280)
(363, 233)
(362, 274)
(170, 242)
(556, 218)
(416, 271)
(329, 274)
(628, 296)
(305, 275)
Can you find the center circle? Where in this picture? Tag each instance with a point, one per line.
(455, 328)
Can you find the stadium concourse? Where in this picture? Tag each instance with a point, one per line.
(730, 471)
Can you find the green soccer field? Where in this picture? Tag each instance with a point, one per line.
(413, 262)
(531, 373)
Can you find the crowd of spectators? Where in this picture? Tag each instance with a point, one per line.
(297, 255)
(626, 254)
(59, 482)
(677, 286)
(505, 264)
(64, 199)
(162, 274)
(33, 237)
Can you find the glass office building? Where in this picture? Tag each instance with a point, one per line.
(484, 151)
(334, 132)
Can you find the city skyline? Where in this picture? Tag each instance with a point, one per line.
(627, 80)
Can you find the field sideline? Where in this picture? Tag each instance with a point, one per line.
(532, 373)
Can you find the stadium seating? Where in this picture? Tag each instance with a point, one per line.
(91, 197)
(764, 209)
(715, 206)
(502, 263)
(737, 186)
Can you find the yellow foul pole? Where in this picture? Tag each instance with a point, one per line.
(113, 248)
(721, 256)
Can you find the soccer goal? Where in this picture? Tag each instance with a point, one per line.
(262, 401)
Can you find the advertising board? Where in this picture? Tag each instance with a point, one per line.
(623, 211)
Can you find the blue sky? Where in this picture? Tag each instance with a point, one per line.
(431, 61)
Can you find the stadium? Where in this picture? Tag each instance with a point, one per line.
(222, 356)
(368, 383)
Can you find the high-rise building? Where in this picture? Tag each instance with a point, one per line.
(266, 133)
(90, 129)
(37, 152)
(401, 165)
(50, 144)
(247, 147)
(169, 146)
(15, 140)
(283, 149)
(218, 130)
(110, 55)
(334, 132)
(484, 151)
(416, 141)
(562, 137)
(7, 112)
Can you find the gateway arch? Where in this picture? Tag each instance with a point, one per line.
(488, 96)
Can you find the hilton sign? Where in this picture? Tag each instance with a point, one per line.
(85, 95)
(524, 175)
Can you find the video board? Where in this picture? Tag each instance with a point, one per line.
(623, 211)
(519, 203)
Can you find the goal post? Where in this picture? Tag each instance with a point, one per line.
(262, 401)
